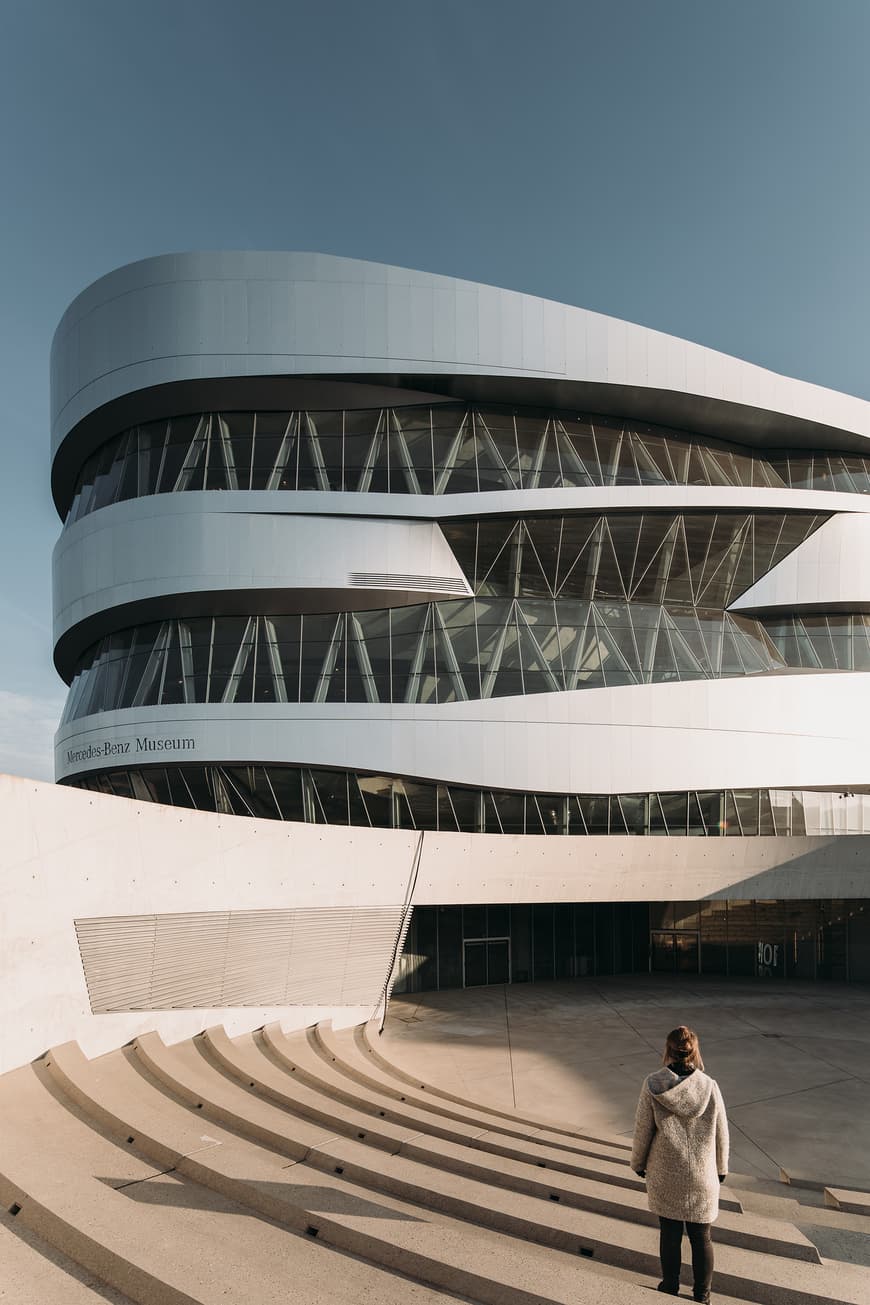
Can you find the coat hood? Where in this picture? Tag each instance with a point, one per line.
(683, 1095)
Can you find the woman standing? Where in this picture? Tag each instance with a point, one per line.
(681, 1148)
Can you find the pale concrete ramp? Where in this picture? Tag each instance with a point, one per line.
(245, 1168)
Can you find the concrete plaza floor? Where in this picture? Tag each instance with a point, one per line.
(792, 1059)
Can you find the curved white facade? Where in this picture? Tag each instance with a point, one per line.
(356, 545)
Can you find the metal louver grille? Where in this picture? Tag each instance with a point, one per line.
(391, 580)
(315, 957)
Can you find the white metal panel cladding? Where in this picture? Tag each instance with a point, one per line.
(183, 317)
(209, 959)
(798, 730)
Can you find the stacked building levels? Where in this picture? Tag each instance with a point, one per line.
(360, 546)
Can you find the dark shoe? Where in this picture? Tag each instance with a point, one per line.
(670, 1289)
(703, 1299)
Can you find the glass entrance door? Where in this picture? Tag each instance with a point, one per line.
(674, 951)
(486, 960)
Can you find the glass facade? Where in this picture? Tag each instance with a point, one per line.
(446, 449)
(468, 946)
(836, 641)
(339, 797)
(561, 603)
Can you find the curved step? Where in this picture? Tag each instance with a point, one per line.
(839, 1198)
(33, 1270)
(446, 1253)
(297, 1052)
(371, 1046)
(554, 1159)
(773, 1237)
(157, 1237)
(488, 1266)
(341, 1050)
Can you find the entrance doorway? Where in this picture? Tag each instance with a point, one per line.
(674, 951)
(486, 960)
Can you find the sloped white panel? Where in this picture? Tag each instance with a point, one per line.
(830, 571)
(205, 959)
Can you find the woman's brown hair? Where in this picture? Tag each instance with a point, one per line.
(682, 1048)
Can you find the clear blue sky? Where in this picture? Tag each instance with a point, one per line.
(699, 167)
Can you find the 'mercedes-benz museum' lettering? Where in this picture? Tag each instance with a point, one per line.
(115, 748)
(581, 587)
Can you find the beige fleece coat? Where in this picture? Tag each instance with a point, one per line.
(681, 1140)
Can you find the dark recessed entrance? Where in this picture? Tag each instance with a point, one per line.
(675, 952)
(486, 960)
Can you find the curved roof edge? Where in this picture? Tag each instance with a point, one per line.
(182, 318)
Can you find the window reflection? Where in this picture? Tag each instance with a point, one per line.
(421, 450)
(341, 797)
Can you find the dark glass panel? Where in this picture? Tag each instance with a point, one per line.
(128, 486)
(492, 472)
(446, 426)
(652, 461)
(564, 940)
(458, 472)
(530, 432)
(152, 440)
(423, 946)
(311, 473)
(511, 811)
(521, 943)
(318, 670)
(577, 453)
(499, 558)
(229, 632)
(547, 472)
(450, 946)
(286, 784)
(697, 826)
(498, 921)
(446, 815)
(674, 810)
(498, 962)
(403, 817)
(542, 941)
(714, 937)
(742, 938)
(580, 545)
(238, 430)
(356, 804)
(474, 921)
(412, 442)
(541, 545)
(172, 687)
(595, 812)
(421, 800)
(711, 811)
(183, 451)
(746, 801)
(603, 938)
(474, 954)
(359, 429)
(377, 793)
(466, 807)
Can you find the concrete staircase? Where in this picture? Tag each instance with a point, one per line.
(307, 1167)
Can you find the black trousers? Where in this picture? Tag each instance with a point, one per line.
(670, 1242)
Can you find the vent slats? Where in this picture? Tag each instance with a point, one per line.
(331, 956)
(390, 580)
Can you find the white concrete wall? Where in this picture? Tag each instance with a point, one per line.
(68, 855)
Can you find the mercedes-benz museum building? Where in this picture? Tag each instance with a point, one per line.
(577, 612)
